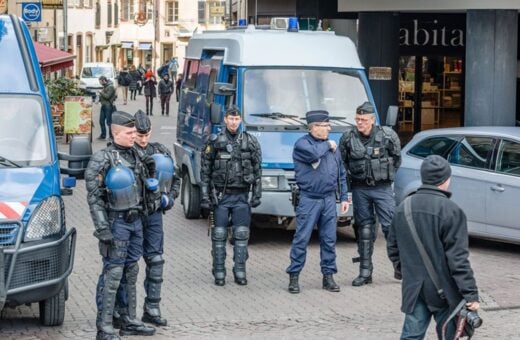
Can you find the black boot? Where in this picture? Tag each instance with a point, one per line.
(218, 252)
(152, 287)
(329, 283)
(294, 287)
(106, 336)
(365, 250)
(134, 327)
(241, 237)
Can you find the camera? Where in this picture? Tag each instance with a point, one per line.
(472, 318)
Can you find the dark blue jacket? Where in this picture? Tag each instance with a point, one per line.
(323, 180)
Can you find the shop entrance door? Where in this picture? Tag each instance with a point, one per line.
(430, 93)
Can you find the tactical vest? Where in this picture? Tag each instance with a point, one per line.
(370, 163)
(232, 167)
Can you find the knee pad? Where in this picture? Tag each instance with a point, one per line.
(154, 260)
(366, 232)
(241, 233)
(219, 233)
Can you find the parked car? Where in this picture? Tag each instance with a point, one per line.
(485, 163)
(90, 73)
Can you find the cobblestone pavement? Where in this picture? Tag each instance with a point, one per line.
(197, 309)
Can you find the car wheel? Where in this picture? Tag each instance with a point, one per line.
(190, 198)
(52, 310)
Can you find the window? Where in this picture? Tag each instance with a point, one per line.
(98, 14)
(172, 11)
(191, 76)
(202, 12)
(216, 12)
(116, 14)
(434, 146)
(109, 14)
(473, 152)
(127, 10)
(508, 160)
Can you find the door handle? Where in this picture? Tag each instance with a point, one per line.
(497, 188)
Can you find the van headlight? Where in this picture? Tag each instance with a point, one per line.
(269, 182)
(47, 220)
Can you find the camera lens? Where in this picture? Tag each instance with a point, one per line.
(474, 319)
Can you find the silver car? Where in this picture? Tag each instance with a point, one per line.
(485, 163)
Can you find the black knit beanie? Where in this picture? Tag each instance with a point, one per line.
(435, 170)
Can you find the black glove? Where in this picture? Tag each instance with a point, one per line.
(166, 202)
(255, 202)
(104, 235)
(206, 203)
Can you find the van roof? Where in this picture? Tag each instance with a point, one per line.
(254, 47)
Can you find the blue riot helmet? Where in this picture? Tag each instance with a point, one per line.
(164, 171)
(123, 193)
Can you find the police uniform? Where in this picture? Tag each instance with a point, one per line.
(115, 184)
(157, 203)
(319, 175)
(371, 162)
(230, 169)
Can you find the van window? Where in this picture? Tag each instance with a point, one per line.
(191, 74)
(97, 71)
(13, 77)
(24, 136)
(296, 91)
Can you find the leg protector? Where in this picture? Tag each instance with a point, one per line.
(107, 290)
(152, 285)
(365, 250)
(218, 237)
(241, 237)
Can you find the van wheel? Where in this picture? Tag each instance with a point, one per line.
(190, 198)
(52, 310)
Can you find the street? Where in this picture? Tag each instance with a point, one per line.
(197, 309)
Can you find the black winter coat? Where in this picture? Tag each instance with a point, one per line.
(441, 226)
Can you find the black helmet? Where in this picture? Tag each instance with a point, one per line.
(142, 122)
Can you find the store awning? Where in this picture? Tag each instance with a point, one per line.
(145, 46)
(51, 59)
(127, 44)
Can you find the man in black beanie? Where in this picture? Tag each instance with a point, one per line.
(442, 229)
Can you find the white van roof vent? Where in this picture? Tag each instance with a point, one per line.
(279, 23)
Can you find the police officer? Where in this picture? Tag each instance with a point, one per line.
(115, 180)
(319, 175)
(371, 154)
(230, 170)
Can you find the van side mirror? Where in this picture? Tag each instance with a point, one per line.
(391, 115)
(215, 112)
(223, 89)
(80, 151)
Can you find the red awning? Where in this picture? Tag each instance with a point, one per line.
(51, 59)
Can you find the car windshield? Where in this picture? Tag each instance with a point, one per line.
(24, 139)
(96, 72)
(283, 96)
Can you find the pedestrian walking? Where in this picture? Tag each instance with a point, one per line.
(163, 70)
(153, 233)
(165, 92)
(115, 180)
(318, 171)
(150, 91)
(231, 169)
(178, 84)
(142, 72)
(173, 66)
(135, 78)
(124, 81)
(371, 155)
(440, 226)
(107, 97)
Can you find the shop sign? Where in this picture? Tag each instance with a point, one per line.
(379, 73)
(78, 115)
(432, 34)
(32, 11)
(52, 4)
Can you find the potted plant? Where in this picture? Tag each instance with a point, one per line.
(57, 90)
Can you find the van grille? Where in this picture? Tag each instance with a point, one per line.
(8, 233)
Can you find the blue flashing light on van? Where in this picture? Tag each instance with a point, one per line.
(274, 77)
(36, 245)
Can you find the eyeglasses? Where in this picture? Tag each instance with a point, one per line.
(362, 120)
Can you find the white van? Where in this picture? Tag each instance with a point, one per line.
(90, 73)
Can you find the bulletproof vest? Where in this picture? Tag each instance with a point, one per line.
(370, 163)
(121, 183)
(232, 167)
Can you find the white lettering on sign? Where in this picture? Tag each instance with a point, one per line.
(420, 36)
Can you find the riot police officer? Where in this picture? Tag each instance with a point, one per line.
(319, 175)
(230, 170)
(115, 180)
(371, 154)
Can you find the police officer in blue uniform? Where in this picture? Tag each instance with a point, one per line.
(371, 154)
(158, 201)
(230, 170)
(319, 175)
(115, 179)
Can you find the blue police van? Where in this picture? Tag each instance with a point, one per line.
(36, 245)
(274, 77)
